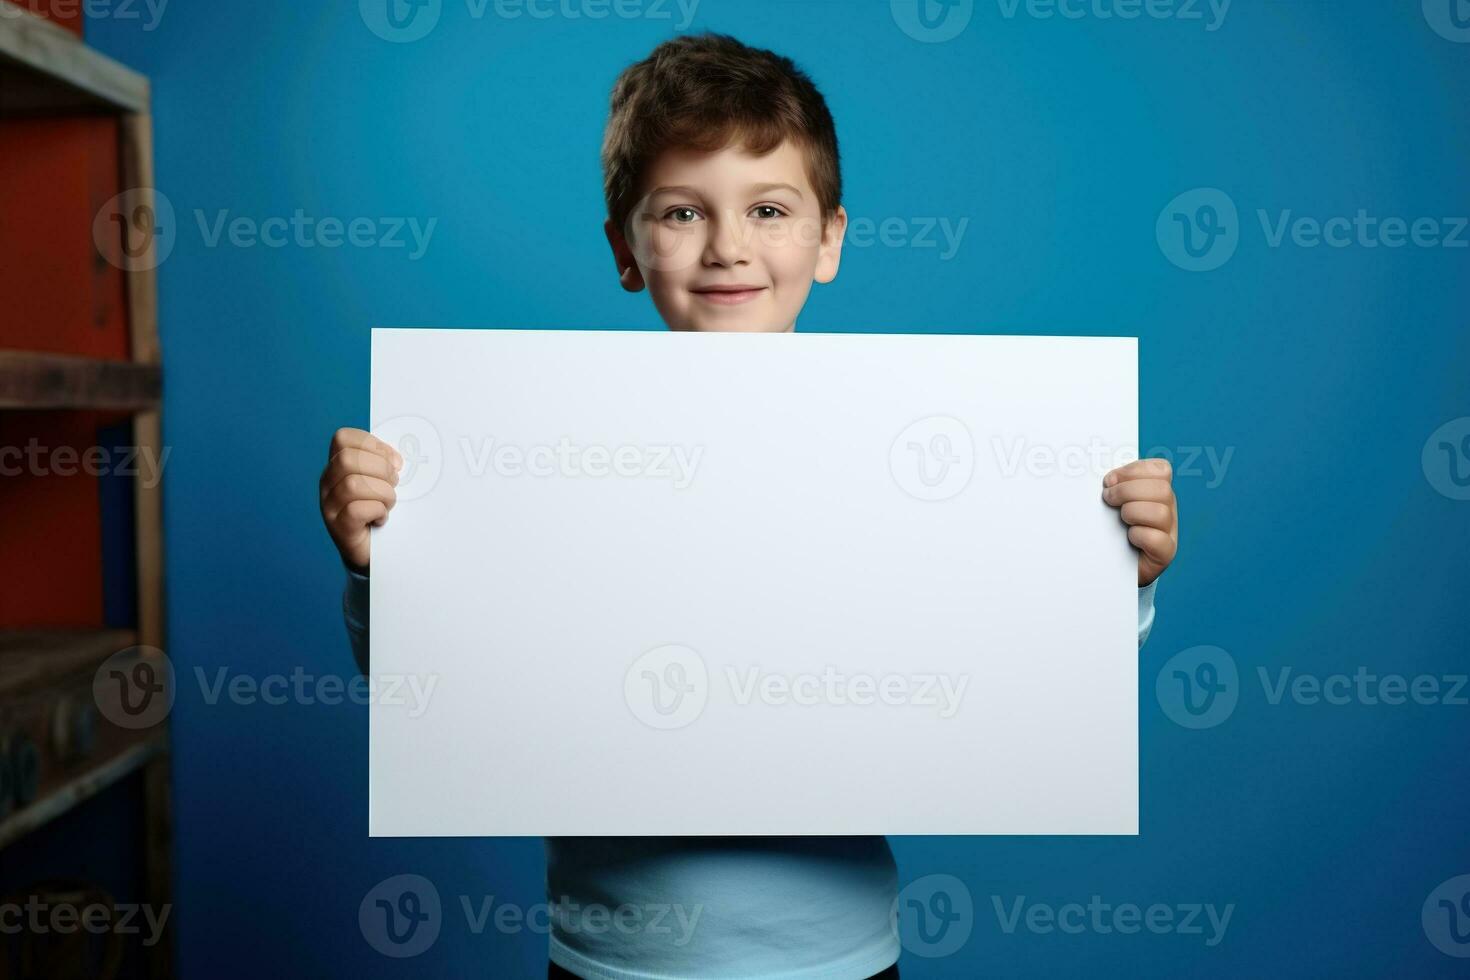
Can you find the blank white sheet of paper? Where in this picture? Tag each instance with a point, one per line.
(665, 584)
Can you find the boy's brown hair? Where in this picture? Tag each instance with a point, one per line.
(705, 92)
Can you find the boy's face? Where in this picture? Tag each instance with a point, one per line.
(712, 221)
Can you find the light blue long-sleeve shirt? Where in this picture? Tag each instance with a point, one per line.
(774, 908)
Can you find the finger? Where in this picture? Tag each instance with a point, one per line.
(359, 514)
(350, 461)
(1157, 546)
(1154, 468)
(357, 486)
(1159, 491)
(1148, 513)
(349, 438)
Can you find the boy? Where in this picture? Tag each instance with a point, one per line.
(723, 188)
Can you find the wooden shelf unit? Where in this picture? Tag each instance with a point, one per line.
(83, 787)
(47, 71)
(30, 659)
(38, 380)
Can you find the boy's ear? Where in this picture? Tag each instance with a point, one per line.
(829, 254)
(628, 272)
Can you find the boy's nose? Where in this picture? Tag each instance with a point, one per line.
(727, 244)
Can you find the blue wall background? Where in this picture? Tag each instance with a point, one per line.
(1325, 546)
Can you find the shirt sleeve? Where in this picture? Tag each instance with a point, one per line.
(1145, 611)
(355, 614)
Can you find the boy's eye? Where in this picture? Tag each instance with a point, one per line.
(775, 211)
(678, 214)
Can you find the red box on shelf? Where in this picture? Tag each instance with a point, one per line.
(62, 296)
(67, 13)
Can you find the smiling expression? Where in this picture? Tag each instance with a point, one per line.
(728, 240)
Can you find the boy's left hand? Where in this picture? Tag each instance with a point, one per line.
(1144, 492)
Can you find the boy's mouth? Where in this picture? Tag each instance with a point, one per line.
(728, 295)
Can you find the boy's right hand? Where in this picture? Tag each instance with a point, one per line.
(357, 491)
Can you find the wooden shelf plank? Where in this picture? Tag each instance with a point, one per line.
(46, 68)
(33, 659)
(39, 380)
(79, 788)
